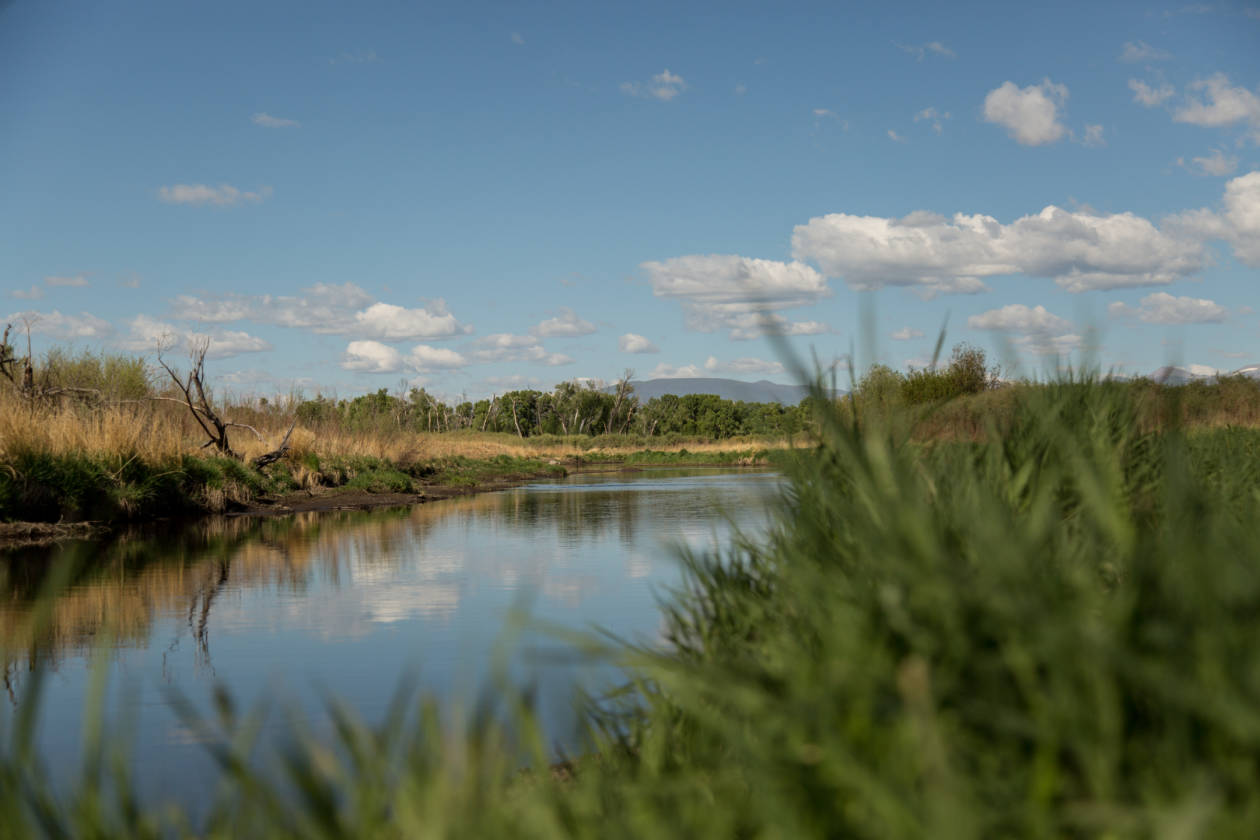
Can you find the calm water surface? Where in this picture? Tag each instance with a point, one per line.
(344, 603)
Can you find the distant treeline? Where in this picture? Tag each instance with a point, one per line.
(568, 409)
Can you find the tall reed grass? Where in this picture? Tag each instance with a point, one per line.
(1049, 631)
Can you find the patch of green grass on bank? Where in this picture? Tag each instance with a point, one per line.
(683, 458)
(1047, 633)
(52, 488)
(469, 472)
(43, 487)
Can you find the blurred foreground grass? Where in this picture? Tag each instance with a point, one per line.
(1051, 632)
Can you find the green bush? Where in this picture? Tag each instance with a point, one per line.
(966, 373)
(114, 376)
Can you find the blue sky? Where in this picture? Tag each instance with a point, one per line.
(475, 197)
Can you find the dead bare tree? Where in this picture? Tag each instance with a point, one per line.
(8, 362)
(193, 387)
(21, 371)
(515, 421)
(277, 453)
(622, 401)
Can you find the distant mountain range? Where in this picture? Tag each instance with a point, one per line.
(728, 389)
(1172, 375)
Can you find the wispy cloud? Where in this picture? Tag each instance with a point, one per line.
(895, 137)
(224, 195)
(907, 334)
(268, 121)
(1149, 96)
(146, 333)
(77, 281)
(663, 86)
(1141, 51)
(355, 57)
(1217, 163)
(1093, 136)
(328, 309)
(33, 293)
(518, 39)
(505, 347)
(744, 366)
(933, 116)
(922, 51)
(65, 327)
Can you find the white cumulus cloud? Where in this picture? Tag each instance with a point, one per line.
(1214, 103)
(424, 357)
(1030, 115)
(727, 291)
(1163, 308)
(1238, 223)
(224, 195)
(565, 324)
(1031, 328)
(635, 343)
(1080, 250)
(395, 323)
(371, 357)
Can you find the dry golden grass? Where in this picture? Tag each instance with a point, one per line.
(156, 431)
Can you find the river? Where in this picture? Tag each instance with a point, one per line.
(300, 608)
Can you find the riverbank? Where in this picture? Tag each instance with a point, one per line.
(48, 497)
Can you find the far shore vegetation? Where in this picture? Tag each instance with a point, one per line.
(91, 435)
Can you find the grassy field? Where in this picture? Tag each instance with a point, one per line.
(1048, 632)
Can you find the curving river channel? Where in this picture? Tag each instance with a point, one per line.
(342, 604)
